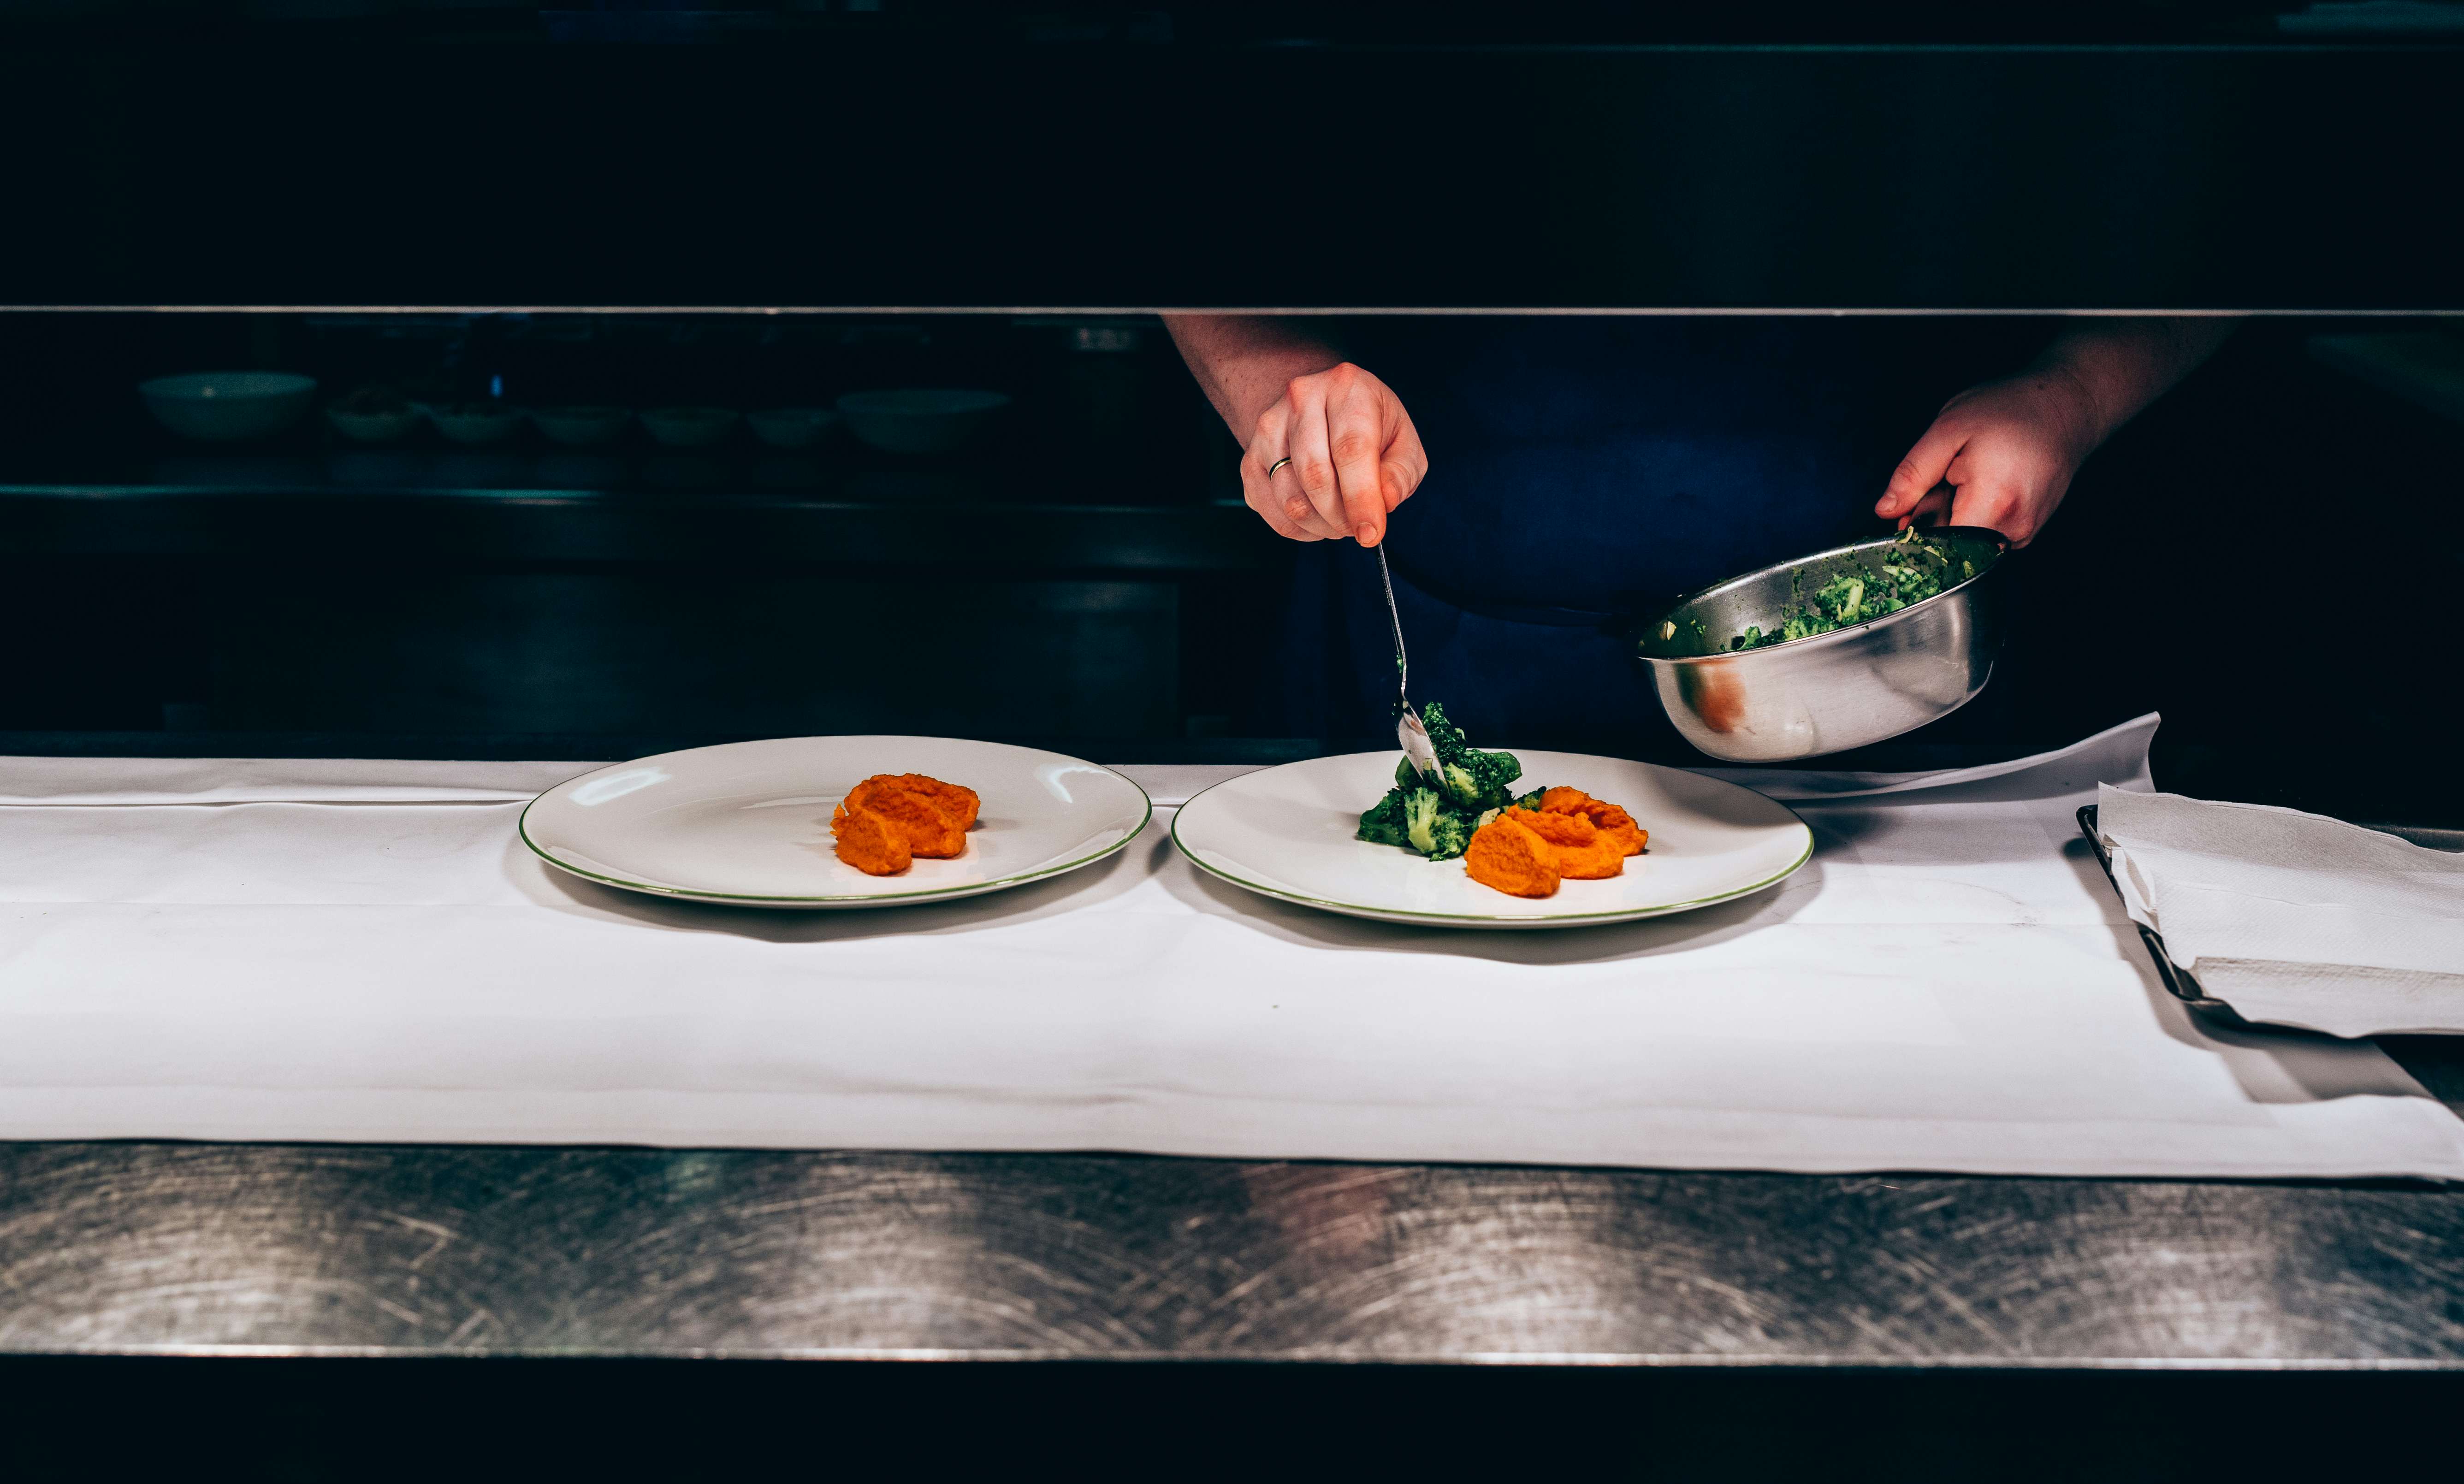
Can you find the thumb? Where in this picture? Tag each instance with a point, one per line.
(1921, 470)
(1939, 506)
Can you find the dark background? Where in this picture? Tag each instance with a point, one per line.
(439, 154)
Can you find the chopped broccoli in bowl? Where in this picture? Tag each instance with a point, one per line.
(1917, 569)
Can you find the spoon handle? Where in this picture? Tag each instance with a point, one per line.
(1402, 664)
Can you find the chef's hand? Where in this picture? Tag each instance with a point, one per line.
(2007, 448)
(1287, 394)
(1332, 457)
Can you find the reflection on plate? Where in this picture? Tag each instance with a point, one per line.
(749, 823)
(1286, 833)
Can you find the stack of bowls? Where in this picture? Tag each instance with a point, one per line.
(580, 426)
(689, 428)
(921, 419)
(373, 415)
(792, 428)
(477, 424)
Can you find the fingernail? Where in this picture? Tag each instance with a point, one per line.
(1367, 532)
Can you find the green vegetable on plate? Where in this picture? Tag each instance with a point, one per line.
(1472, 788)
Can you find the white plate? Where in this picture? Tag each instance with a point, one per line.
(749, 823)
(1287, 833)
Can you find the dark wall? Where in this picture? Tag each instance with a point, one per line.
(2271, 556)
(959, 172)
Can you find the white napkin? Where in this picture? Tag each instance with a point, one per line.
(2118, 752)
(2293, 919)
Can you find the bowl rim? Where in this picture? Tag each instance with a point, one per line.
(449, 414)
(2002, 549)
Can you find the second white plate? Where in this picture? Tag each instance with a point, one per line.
(1287, 833)
(749, 823)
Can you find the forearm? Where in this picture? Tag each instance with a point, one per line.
(1243, 362)
(2118, 367)
(2007, 448)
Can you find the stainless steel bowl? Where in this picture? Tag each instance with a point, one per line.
(1831, 692)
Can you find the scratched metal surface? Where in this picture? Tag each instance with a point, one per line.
(154, 1247)
(202, 1248)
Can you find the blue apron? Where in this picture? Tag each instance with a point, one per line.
(1582, 473)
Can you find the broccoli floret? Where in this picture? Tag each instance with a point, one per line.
(1480, 780)
(1854, 596)
(1383, 823)
(1474, 780)
(1449, 835)
(1439, 822)
(1446, 738)
(1530, 800)
(1422, 810)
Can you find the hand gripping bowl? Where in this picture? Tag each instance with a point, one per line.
(1828, 692)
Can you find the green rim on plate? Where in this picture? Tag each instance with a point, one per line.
(1487, 919)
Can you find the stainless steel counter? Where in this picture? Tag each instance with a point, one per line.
(283, 1249)
(402, 1251)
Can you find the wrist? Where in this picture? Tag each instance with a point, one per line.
(1244, 362)
(2082, 414)
(2117, 366)
(1260, 378)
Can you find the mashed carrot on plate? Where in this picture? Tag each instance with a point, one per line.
(890, 819)
(1527, 852)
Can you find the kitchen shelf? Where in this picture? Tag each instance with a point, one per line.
(862, 520)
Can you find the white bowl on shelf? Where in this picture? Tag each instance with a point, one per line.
(580, 426)
(689, 428)
(476, 423)
(390, 426)
(227, 407)
(921, 419)
(792, 428)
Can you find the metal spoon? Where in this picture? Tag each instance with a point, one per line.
(1408, 729)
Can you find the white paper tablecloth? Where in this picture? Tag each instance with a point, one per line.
(363, 950)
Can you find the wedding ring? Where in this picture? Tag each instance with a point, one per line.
(1278, 464)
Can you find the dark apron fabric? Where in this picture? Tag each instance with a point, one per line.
(1583, 473)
